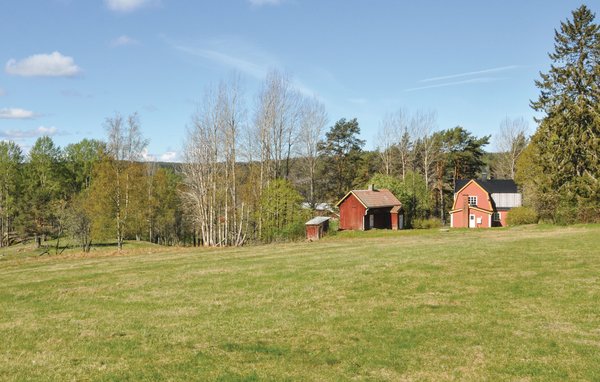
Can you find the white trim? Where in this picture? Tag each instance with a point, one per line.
(489, 221)
(474, 222)
(451, 220)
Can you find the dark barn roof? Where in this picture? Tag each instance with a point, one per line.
(493, 186)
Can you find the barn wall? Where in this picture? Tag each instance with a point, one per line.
(312, 232)
(352, 213)
(460, 219)
(474, 190)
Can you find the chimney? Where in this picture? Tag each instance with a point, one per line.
(371, 187)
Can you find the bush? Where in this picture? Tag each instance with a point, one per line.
(522, 215)
(426, 223)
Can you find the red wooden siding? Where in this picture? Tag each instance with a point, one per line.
(352, 213)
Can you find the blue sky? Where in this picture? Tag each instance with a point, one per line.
(66, 65)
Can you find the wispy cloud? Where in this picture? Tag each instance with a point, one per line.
(260, 3)
(43, 65)
(240, 56)
(25, 134)
(469, 74)
(253, 69)
(125, 6)
(456, 83)
(123, 40)
(16, 113)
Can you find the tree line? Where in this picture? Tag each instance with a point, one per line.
(253, 171)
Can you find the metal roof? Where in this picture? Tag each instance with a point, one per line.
(317, 220)
(493, 186)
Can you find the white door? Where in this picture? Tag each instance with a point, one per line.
(471, 221)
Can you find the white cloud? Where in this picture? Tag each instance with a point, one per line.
(24, 134)
(169, 156)
(260, 3)
(126, 5)
(43, 65)
(16, 113)
(123, 41)
(147, 157)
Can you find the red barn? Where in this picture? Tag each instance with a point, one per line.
(372, 208)
(483, 203)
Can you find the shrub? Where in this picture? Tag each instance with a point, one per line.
(426, 223)
(522, 215)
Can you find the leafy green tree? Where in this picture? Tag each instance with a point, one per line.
(536, 186)
(117, 189)
(281, 212)
(11, 161)
(80, 159)
(341, 151)
(568, 136)
(411, 191)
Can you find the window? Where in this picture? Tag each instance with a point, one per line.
(496, 216)
(473, 201)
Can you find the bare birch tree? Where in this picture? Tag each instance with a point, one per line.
(276, 124)
(210, 177)
(313, 119)
(124, 147)
(393, 131)
(510, 143)
(424, 124)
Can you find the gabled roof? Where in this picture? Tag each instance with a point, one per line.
(493, 186)
(373, 198)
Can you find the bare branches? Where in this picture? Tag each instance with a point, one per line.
(210, 166)
(510, 142)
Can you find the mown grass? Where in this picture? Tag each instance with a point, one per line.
(507, 304)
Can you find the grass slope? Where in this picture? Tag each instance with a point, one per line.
(502, 304)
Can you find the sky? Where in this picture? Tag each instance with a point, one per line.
(67, 65)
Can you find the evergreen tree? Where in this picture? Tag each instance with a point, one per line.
(44, 192)
(568, 138)
(342, 156)
(11, 160)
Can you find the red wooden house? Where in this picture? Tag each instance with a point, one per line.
(483, 203)
(372, 208)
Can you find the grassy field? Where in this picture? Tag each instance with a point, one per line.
(503, 304)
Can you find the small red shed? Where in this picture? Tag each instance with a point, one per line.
(372, 208)
(316, 227)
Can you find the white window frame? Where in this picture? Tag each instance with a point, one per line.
(496, 217)
(474, 199)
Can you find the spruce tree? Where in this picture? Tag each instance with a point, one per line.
(568, 135)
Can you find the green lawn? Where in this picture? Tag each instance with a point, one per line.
(502, 304)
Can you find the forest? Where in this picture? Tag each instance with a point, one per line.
(251, 172)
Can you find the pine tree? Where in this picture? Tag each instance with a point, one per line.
(568, 137)
(11, 161)
(342, 151)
